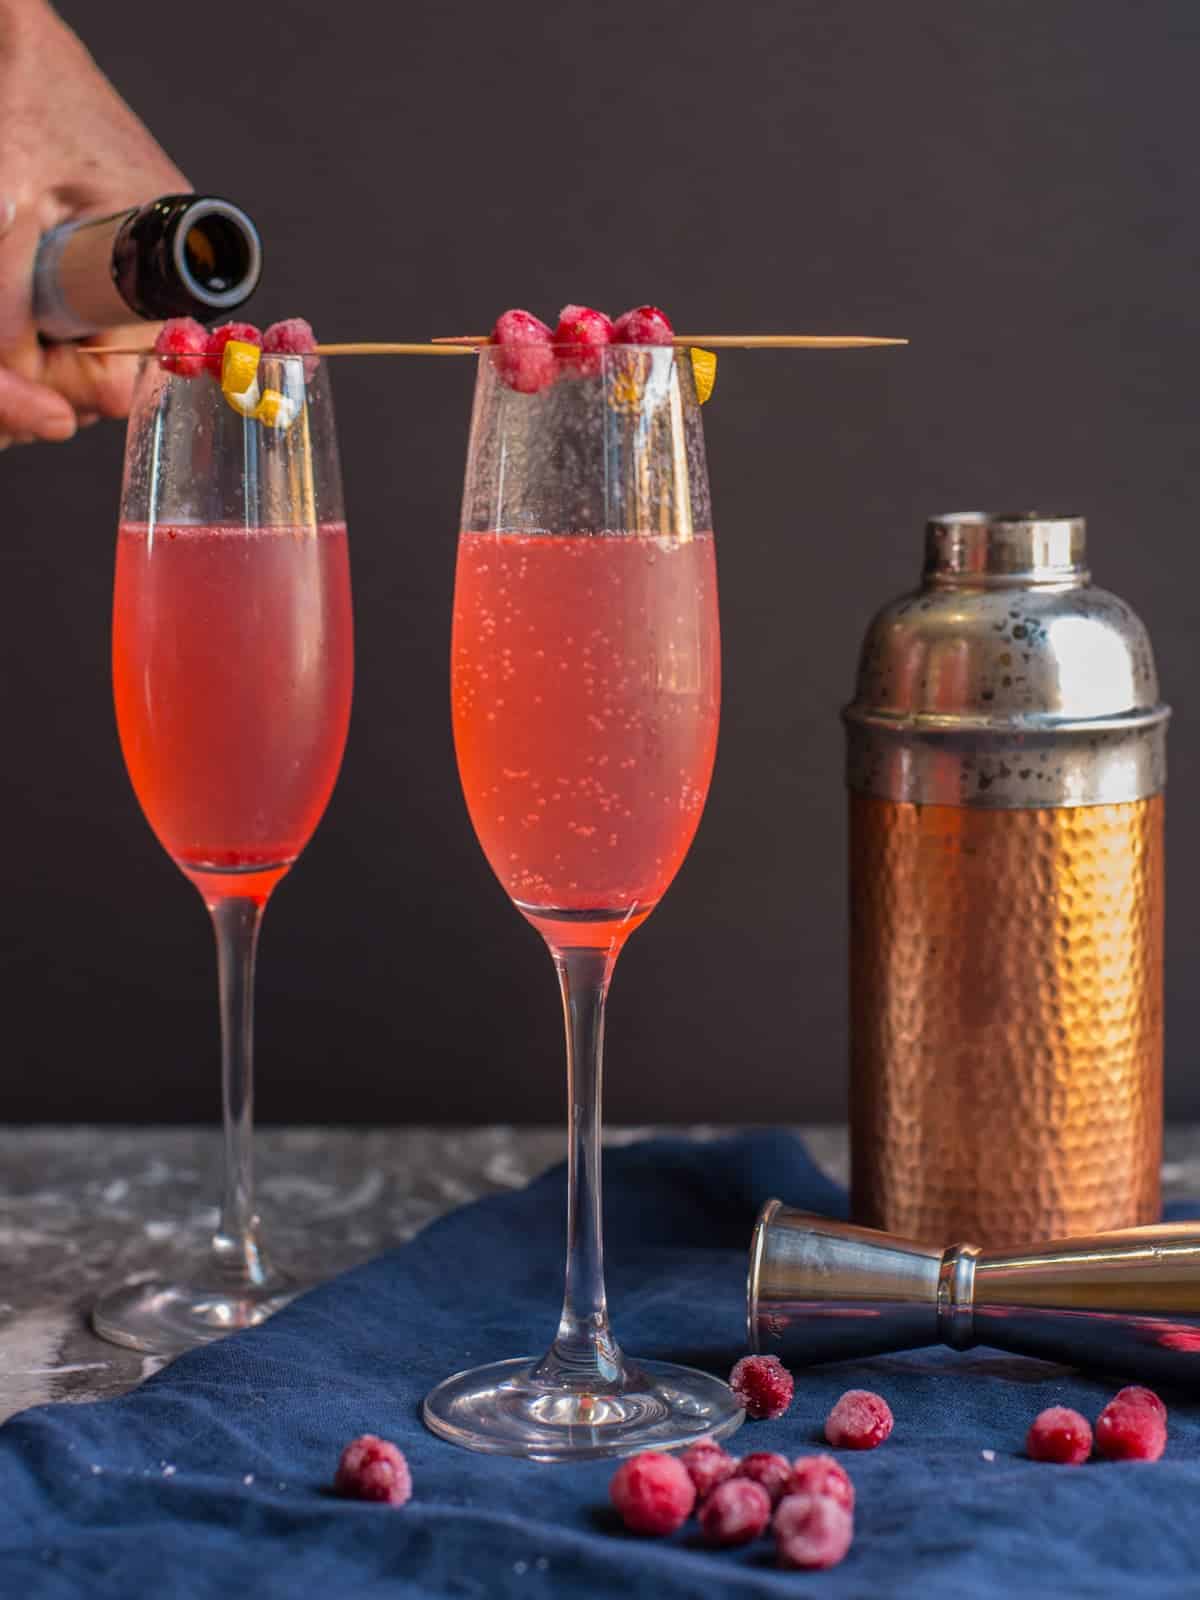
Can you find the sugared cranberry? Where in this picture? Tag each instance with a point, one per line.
(183, 345)
(773, 1472)
(1136, 1395)
(1059, 1434)
(373, 1469)
(811, 1531)
(1127, 1432)
(292, 337)
(244, 332)
(643, 325)
(822, 1475)
(735, 1512)
(763, 1384)
(525, 352)
(581, 338)
(860, 1421)
(652, 1492)
(708, 1465)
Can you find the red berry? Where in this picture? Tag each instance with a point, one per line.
(811, 1531)
(1059, 1434)
(525, 354)
(183, 344)
(653, 1492)
(708, 1465)
(824, 1476)
(1127, 1432)
(763, 1384)
(246, 332)
(773, 1472)
(643, 325)
(292, 337)
(581, 338)
(860, 1421)
(1136, 1395)
(735, 1512)
(373, 1469)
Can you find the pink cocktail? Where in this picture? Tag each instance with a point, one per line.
(585, 693)
(585, 689)
(232, 676)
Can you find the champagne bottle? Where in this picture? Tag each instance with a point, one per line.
(183, 255)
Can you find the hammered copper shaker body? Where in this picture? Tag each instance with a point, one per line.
(1006, 763)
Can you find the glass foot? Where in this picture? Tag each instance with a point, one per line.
(165, 1319)
(499, 1408)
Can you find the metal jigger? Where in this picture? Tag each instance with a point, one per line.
(1125, 1302)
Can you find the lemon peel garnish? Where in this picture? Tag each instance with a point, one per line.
(239, 365)
(276, 409)
(704, 371)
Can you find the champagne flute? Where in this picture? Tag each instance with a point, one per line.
(232, 676)
(585, 699)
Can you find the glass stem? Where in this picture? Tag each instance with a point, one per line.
(236, 922)
(584, 1355)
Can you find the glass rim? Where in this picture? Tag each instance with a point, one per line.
(161, 356)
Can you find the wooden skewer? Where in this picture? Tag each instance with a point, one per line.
(447, 348)
(470, 344)
(739, 341)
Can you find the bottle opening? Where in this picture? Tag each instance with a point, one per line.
(218, 253)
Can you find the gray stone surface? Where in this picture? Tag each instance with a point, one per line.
(84, 1208)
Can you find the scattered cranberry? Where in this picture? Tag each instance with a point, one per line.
(811, 1531)
(1127, 1432)
(183, 344)
(653, 1492)
(822, 1475)
(860, 1421)
(735, 1512)
(763, 1384)
(708, 1465)
(643, 325)
(581, 338)
(373, 1469)
(1059, 1434)
(292, 337)
(245, 332)
(773, 1472)
(1136, 1395)
(525, 354)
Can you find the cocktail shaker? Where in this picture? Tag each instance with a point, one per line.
(1127, 1301)
(1006, 764)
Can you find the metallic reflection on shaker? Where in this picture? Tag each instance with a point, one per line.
(1127, 1301)
(1006, 760)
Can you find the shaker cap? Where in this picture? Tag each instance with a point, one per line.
(985, 548)
(1006, 680)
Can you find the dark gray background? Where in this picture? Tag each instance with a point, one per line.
(1011, 183)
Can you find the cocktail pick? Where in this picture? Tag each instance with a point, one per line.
(361, 349)
(736, 341)
(468, 344)
(1125, 1302)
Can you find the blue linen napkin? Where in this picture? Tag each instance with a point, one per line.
(212, 1478)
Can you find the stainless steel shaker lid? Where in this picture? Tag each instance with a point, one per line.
(1006, 680)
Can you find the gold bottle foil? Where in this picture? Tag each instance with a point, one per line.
(1006, 893)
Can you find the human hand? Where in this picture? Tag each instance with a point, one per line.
(69, 147)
